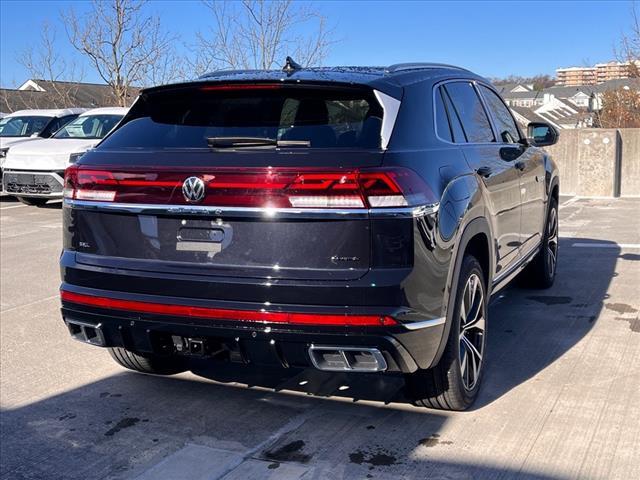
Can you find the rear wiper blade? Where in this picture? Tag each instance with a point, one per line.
(253, 142)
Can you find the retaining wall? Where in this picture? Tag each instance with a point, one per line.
(598, 162)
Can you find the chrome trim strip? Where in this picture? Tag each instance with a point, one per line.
(425, 323)
(257, 212)
(414, 212)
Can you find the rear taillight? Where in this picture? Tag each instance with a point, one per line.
(263, 188)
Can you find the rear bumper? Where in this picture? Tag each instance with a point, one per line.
(404, 349)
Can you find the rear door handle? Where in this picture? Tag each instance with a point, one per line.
(484, 171)
(520, 166)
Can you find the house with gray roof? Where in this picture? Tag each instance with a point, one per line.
(40, 94)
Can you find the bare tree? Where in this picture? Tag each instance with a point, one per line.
(621, 106)
(629, 48)
(620, 109)
(259, 34)
(55, 73)
(127, 47)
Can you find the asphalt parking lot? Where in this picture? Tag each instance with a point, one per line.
(561, 397)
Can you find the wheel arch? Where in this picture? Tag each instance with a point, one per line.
(477, 239)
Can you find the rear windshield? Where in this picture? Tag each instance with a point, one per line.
(323, 117)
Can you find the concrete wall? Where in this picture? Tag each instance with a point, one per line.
(598, 162)
(630, 162)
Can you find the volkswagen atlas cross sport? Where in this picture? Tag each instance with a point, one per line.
(344, 219)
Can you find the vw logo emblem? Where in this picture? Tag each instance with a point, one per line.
(193, 189)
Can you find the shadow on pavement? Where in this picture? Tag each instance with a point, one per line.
(122, 425)
(530, 329)
(333, 424)
(8, 199)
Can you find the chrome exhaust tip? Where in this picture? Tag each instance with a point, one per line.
(86, 332)
(347, 359)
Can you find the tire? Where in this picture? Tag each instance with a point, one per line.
(541, 272)
(453, 384)
(33, 201)
(152, 364)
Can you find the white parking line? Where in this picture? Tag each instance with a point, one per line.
(570, 201)
(13, 206)
(606, 245)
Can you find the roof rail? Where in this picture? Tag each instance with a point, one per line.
(401, 67)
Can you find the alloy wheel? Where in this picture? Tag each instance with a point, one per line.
(472, 331)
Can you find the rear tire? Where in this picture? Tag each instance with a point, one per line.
(541, 272)
(33, 201)
(148, 363)
(453, 384)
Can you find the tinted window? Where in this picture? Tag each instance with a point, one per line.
(505, 124)
(186, 119)
(89, 126)
(442, 121)
(22, 126)
(472, 115)
(57, 124)
(454, 119)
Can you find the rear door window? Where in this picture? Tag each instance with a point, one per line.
(506, 126)
(442, 121)
(468, 106)
(187, 118)
(443, 102)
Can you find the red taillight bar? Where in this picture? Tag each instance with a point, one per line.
(252, 187)
(294, 318)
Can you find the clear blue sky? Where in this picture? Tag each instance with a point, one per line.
(491, 38)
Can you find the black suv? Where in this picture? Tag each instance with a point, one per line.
(347, 219)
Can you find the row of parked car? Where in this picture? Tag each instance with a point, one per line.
(36, 146)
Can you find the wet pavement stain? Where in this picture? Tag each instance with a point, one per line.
(433, 440)
(620, 308)
(634, 323)
(377, 459)
(550, 299)
(122, 424)
(289, 453)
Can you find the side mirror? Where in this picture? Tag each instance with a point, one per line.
(541, 134)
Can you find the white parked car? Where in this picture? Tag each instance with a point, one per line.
(28, 125)
(34, 171)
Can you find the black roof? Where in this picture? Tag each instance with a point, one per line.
(387, 79)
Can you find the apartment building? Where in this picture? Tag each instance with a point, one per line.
(599, 73)
(574, 76)
(615, 70)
